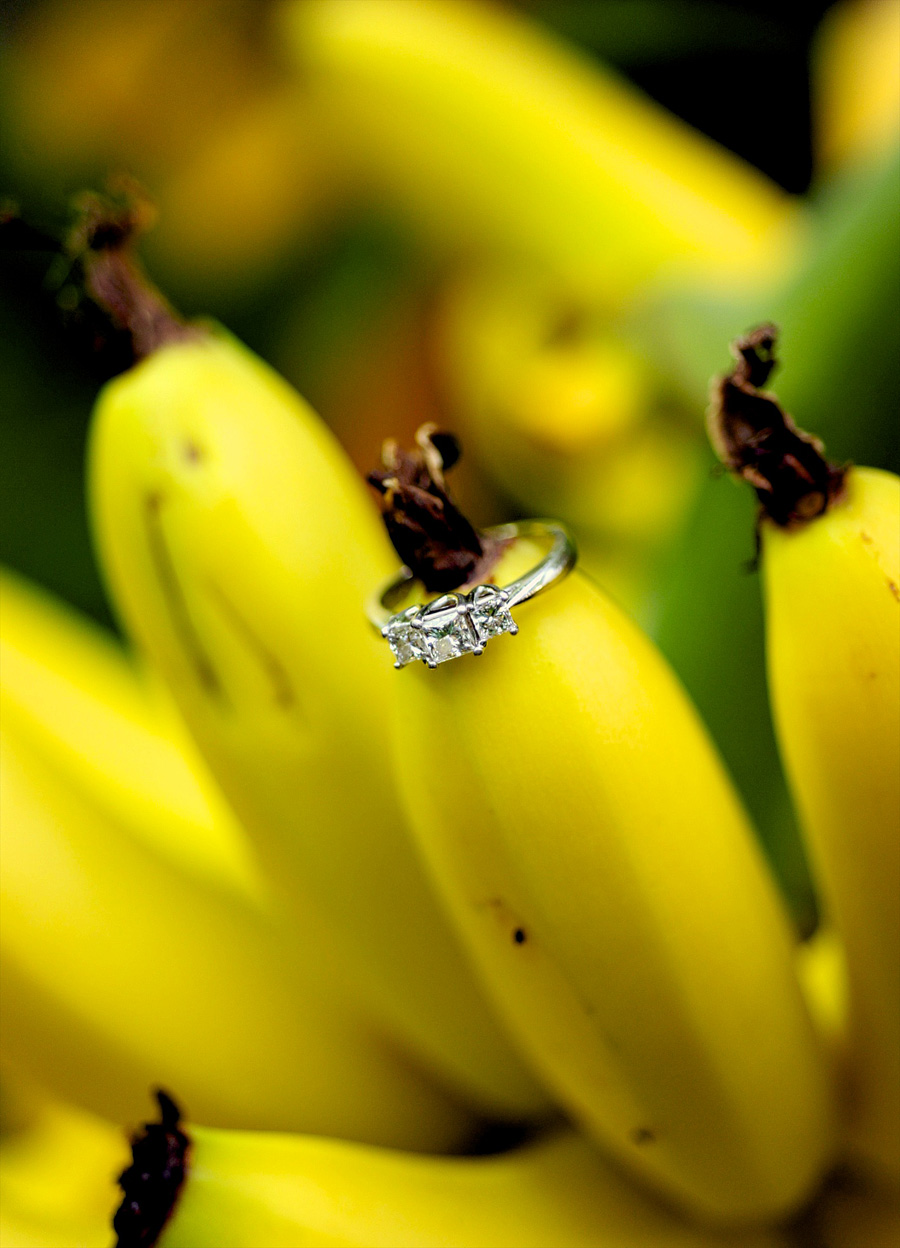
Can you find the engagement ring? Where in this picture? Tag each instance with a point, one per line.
(462, 623)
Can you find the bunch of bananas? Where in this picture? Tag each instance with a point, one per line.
(314, 898)
(486, 956)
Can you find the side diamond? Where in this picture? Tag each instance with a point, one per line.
(407, 642)
(490, 614)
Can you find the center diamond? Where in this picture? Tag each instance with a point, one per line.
(449, 635)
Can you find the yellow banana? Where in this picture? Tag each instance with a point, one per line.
(244, 1189)
(120, 968)
(251, 195)
(856, 81)
(821, 965)
(140, 86)
(596, 859)
(519, 354)
(560, 409)
(833, 640)
(110, 729)
(240, 548)
(489, 133)
(58, 1179)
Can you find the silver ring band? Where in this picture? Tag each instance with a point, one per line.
(462, 623)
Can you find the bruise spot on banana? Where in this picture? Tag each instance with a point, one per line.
(174, 597)
(152, 1183)
(868, 541)
(282, 688)
(643, 1135)
(428, 531)
(506, 919)
(759, 442)
(510, 928)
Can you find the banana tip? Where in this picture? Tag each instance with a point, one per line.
(152, 1183)
(760, 443)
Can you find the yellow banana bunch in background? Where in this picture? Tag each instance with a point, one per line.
(562, 196)
(111, 730)
(178, 94)
(858, 80)
(484, 955)
(490, 135)
(570, 419)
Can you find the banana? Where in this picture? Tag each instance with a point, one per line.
(596, 859)
(490, 135)
(244, 1189)
(58, 1179)
(121, 968)
(560, 409)
(832, 619)
(822, 968)
(111, 730)
(856, 80)
(240, 548)
(251, 195)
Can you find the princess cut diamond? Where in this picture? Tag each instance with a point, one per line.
(449, 634)
(490, 614)
(406, 640)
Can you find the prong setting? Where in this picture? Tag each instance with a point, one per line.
(462, 623)
(451, 626)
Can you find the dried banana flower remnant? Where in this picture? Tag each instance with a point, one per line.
(429, 532)
(152, 1183)
(758, 441)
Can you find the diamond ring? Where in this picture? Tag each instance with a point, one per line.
(462, 623)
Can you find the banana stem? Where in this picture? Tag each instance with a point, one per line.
(103, 242)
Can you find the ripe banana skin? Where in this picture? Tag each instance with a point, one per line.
(245, 1189)
(240, 547)
(493, 137)
(560, 408)
(832, 590)
(822, 969)
(58, 1178)
(589, 844)
(126, 963)
(110, 727)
